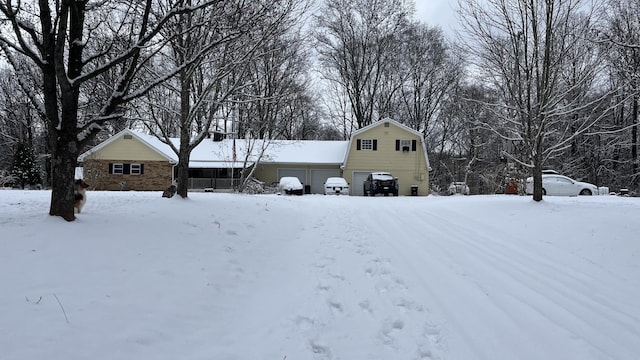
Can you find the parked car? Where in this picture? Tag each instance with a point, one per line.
(336, 186)
(458, 187)
(560, 185)
(290, 185)
(380, 183)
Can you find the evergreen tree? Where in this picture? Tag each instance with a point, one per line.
(25, 169)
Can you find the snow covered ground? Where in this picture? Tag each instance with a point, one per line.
(227, 276)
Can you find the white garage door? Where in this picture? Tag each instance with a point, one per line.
(319, 176)
(301, 174)
(358, 180)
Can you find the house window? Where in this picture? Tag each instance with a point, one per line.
(367, 144)
(118, 169)
(406, 145)
(126, 169)
(136, 169)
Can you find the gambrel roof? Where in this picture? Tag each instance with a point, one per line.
(376, 124)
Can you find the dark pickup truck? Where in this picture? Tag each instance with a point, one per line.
(380, 183)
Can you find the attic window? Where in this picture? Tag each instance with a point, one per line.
(128, 137)
(386, 124)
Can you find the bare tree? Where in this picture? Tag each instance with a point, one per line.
(72, 44)
(432, 74)
(18, 121)
(525, 49)
(354, 41)
(274, 102)
(623, 32)
(219, 43)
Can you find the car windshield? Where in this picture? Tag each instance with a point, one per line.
(336, 181)
(290, 181)
(381, 176)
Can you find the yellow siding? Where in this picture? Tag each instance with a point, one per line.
(268, 173)
(409, 167)
(127, 149)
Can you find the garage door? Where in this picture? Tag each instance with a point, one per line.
(358, 180)
(301, 174)
(319, 176)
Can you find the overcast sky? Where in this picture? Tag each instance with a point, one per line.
(438, 12)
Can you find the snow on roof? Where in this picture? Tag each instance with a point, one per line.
(158, 145)
(277, 151)
(317, 152)
(219, 154)
(151, 141)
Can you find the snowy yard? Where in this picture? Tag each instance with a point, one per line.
(227, 276)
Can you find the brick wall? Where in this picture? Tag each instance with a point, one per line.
(156, 176)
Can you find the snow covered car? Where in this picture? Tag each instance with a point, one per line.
(560, 185)
(380, 183)
(290, 185)
(336, 186)
(458, 187)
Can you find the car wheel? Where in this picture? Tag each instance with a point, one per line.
(586, 192)
(544, 192)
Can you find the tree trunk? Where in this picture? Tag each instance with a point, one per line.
(64, 162)
(183, 174)
(184, 153)
(537, 171)
(634, 141)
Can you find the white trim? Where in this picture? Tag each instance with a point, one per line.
(139, 167)
(369, 145)
(113, 168)
(381, 123)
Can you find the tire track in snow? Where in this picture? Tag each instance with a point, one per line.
(472, 259)
(565, 303)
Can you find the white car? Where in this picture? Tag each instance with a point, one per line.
(560, 185)
(290, 185)
(336, 186)
(458, 187)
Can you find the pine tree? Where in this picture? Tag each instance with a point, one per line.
(25, 169)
